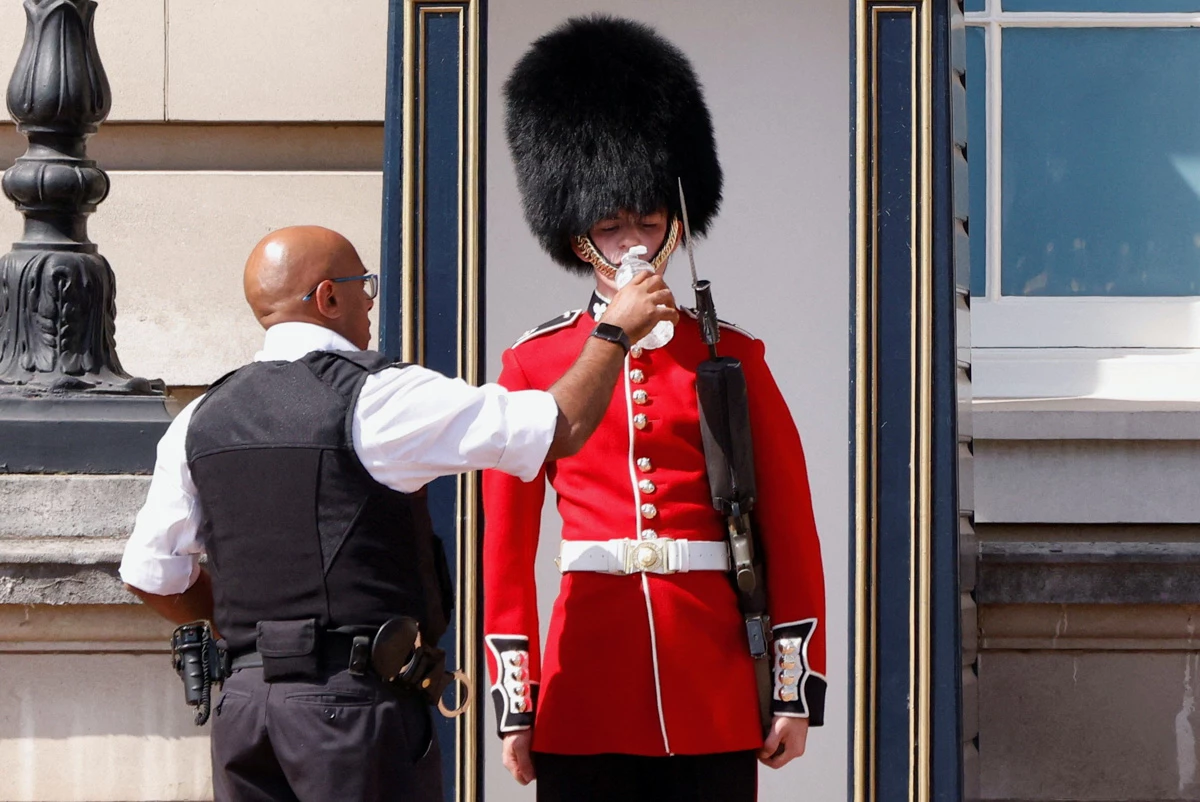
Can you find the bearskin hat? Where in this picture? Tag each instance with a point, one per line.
(604, 114)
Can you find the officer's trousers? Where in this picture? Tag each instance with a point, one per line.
(342, 738)
(724, 777)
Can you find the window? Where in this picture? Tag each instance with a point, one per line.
(1084, 152)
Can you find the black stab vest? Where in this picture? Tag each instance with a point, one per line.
(294, 526)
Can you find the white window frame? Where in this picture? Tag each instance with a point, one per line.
(1013, 336)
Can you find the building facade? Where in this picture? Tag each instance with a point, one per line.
(1083, 281)
(1077, 346)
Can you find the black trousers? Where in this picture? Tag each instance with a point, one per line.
(724, 777)
(342, 738)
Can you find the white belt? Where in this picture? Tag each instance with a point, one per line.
(658, 556)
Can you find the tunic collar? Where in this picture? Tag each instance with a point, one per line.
(597, 305)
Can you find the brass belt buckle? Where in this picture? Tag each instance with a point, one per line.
(647, 557)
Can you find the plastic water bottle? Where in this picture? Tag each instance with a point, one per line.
(631, 263)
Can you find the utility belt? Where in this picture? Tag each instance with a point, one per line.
(302, 650)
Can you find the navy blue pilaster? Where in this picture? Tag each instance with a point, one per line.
(906, 664)
(946, 652)
(894, 285)
(391, 257)
(431, 308)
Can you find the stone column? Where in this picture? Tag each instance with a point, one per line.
(60, 377)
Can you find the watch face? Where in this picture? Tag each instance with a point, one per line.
(611, 333)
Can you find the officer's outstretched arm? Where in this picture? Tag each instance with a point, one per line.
(585, 390)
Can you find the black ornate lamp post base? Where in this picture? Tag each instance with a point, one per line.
(80, 433)
(66, 404)
(56, 326)
(57, 293)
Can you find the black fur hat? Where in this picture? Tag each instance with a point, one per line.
(604, 114)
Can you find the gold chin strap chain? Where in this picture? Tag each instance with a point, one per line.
(592, 255)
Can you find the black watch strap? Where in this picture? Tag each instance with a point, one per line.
(613, 334)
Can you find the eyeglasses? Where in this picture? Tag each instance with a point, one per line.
(370, 285)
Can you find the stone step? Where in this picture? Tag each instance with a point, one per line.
(61, 570)
(35, 506)
(1088, 573)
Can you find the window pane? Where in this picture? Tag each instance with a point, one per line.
(973, 5)
(1145, 6)
(977, 155)
(1101, 162)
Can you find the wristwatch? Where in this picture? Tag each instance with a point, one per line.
(613, 334)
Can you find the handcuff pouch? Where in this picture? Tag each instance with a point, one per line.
(288, 649)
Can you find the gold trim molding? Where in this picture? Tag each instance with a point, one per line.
(416, 18)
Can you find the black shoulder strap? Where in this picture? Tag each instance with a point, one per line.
(214, 386)
(368, 361)
(345, 372)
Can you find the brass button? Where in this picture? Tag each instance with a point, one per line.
(787, 679)
(649, 511)
(640, 421)
(788, 695)
(516, 659)
(646, 486)
(788, 648)
(640, 396)
(648, 534)
(637, 376)
(645, 465)
(635, 351)
(520, 705)
(788, 662)
(518, 675)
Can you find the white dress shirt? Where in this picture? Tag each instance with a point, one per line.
(411, 425)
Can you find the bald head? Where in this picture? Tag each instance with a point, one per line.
(289, 263)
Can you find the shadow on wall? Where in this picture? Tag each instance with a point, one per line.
(57, 696)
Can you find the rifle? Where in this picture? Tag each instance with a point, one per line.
(729, 460)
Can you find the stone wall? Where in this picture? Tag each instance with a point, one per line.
(1088, 582)
(91, 708)
(229, 119)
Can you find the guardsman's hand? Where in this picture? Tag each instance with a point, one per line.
(640, 305)
(785, 741)
(518, 759)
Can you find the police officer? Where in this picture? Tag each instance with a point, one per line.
(645, 689)
(301, 475)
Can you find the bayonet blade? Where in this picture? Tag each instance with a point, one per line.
(710, 330)
(687, 233)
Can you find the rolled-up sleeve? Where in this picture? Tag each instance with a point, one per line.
(412, 425)
(162, 555)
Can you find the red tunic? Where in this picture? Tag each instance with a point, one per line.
(648, 664)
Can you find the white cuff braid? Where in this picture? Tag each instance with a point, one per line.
(798, 691)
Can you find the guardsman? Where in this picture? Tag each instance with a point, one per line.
(645, 688)
(301, 477)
